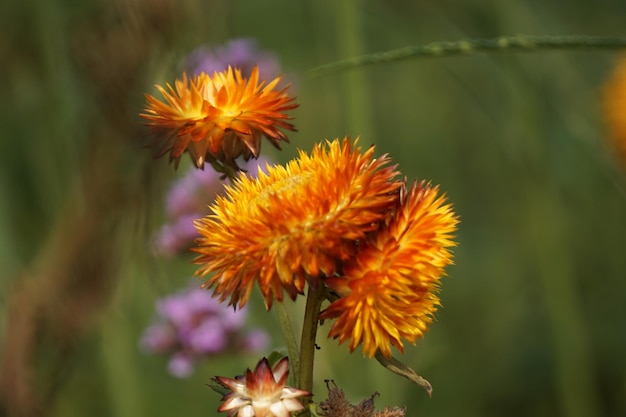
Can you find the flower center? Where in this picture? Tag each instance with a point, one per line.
(230, 112)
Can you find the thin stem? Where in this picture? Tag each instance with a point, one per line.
(357, 97)
(290, 338)
(572, 342)
(309, 331)
(226, 170)
(521, 43)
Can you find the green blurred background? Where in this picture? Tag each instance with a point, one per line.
(534, 310)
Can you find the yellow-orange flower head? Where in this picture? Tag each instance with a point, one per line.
(388, 291)
(221, 117)
(614, 95)
(295, 223)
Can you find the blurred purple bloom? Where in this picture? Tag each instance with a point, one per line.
(193, 192)
(257, 340)
(180, 365)
(158, 338)
(208, 337)
(201, 301)
(174, 308)
(188, 200)
(192, 325)
(242, 53)
(233, 319)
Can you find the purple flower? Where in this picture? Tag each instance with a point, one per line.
(193, 192)
(188, 200)
(159, 338)
(233, 319)
(175, 310)
(242, 53)
(180, 365)
(257, 340)
(209, 337)
(201, 301)
(176, 237)
(192, 325)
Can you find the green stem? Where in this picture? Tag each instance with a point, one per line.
(290, 338)
(574, 370)
(309, 331)
(226, 170)
(357, 97)
(474, 46)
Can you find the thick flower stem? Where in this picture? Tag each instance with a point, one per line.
(307, 344)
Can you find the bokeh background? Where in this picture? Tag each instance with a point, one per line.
(534, 310)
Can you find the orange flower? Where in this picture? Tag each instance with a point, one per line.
(614, 94)
(294, 223)
(220, 117)
(388, 291)
(262, 393)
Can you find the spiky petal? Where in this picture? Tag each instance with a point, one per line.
(295, 223)
(262, 392)
(220, 117)
(388, 291)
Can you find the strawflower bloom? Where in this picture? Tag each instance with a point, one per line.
(614, 106)
(187, 200)
(389, 290)
(242, 53)
(262, 392)
(219, 117)
(192, 325)
(294, 223)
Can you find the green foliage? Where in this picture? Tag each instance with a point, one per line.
(533, 312)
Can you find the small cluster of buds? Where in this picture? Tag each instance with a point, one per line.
(192, 325)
